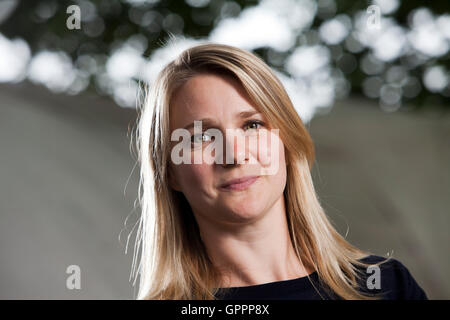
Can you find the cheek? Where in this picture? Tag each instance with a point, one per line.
(270, 155)
(195, 178)
(278, 165)
(282, 156)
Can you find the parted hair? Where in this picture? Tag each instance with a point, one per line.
(170, 258)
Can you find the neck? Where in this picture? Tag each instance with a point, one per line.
(253, 253)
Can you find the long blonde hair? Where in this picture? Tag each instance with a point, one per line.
(170, 258)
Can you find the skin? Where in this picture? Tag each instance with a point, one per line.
(245, 231)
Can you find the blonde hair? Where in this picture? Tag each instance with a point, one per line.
(170, 258)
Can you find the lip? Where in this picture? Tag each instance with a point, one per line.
(240, 183)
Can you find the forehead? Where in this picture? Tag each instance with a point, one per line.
(208, 94)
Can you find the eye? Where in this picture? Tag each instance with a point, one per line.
(202, 137)
(253, 124)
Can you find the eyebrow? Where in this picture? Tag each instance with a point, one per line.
(211, 122)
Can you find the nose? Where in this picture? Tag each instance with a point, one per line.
(235, 148)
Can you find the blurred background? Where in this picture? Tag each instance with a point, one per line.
(370, 79)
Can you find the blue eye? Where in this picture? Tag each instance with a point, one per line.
(199, 138)
(254, 122)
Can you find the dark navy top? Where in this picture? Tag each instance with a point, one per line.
(396, 283)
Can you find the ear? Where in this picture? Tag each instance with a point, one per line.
(173, 183)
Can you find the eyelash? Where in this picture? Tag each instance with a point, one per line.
(245, 124)
(254, 121)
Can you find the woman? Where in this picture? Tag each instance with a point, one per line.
(229, 226)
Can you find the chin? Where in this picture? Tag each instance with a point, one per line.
(245, 210)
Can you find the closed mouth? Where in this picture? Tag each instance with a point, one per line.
(240, 184)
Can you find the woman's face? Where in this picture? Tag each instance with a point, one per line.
(225, 103)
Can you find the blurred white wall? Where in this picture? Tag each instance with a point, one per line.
(64, 165)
